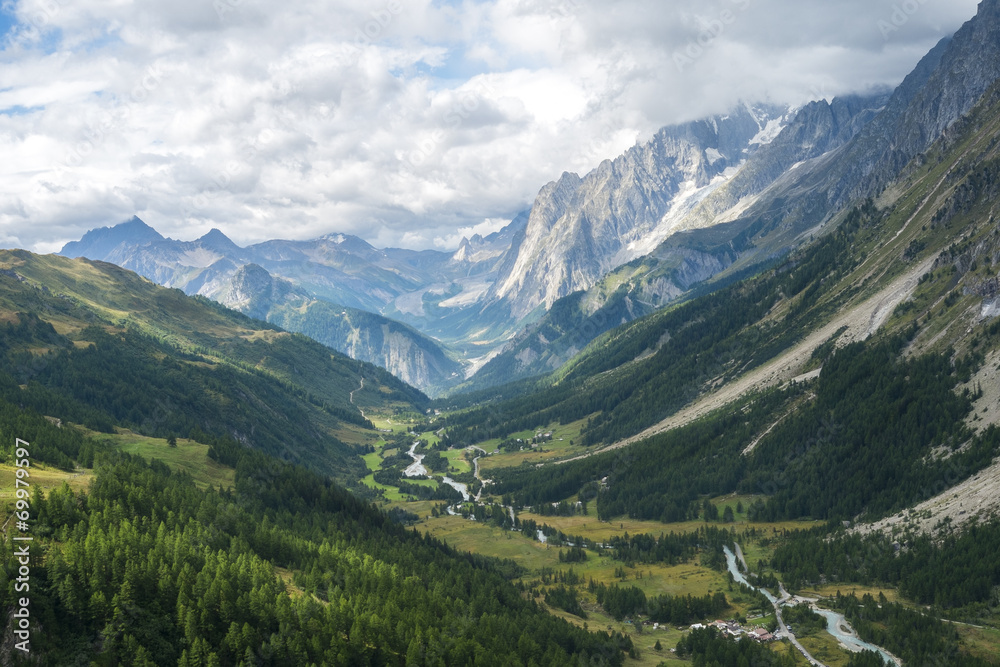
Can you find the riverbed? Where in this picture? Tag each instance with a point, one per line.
(836, 624)
(418, 469)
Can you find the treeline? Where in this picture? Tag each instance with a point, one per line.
(862, 446)
(629, 601)
(915, 638)
(439, 492)
(645, 548)
(60, 447)
(565, 598)
(955, 571)
(686, 346)
(148, 569)
(668, 549)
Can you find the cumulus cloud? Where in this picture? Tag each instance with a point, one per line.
(408, 123)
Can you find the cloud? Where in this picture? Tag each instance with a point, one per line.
(484, 228)
(405, 122)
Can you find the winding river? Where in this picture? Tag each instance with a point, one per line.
(836, 624)
(418, 469)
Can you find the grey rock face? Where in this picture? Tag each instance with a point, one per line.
(581, 228)
(296, 284)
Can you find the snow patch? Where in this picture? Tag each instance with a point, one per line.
(769, 132)
(687, 198)
(472, 292)
(713, 155)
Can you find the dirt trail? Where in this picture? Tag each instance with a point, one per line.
(861, 319)
(352, 398)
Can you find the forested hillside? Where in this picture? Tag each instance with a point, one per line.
(96, 345)
(861, 445)
(147, 566)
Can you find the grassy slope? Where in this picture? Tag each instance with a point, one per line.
(122, 298)
(322, 385)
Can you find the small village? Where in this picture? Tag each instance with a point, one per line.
(734, 630)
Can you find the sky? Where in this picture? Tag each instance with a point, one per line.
(409, 123)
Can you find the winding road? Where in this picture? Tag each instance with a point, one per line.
(783, 632)
(352, 398)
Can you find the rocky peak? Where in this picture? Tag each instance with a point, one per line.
(253, 291)
(99, 243)
(581, 228)
(219, 242)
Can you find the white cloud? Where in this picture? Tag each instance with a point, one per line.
(402, 121)
(484, 228)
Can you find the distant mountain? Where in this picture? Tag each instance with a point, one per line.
(106, 240)
(303, 285)
(703, 202)
(403, 350)
(704, 243)
(826, 157)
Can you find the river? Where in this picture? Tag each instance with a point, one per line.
(418, 469)
(836, 624)
(739, 578)
(458, 486)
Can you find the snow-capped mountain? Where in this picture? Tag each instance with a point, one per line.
(719, 195)
(581, 228)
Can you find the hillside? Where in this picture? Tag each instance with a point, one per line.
(834, 412)
(98, 345)
(276, 566)
(914, 271)
(181, 508)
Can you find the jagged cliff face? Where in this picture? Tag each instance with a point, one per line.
(817, 129)
(581, 228)
(944, 86)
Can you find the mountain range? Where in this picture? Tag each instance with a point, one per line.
(697, 202)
